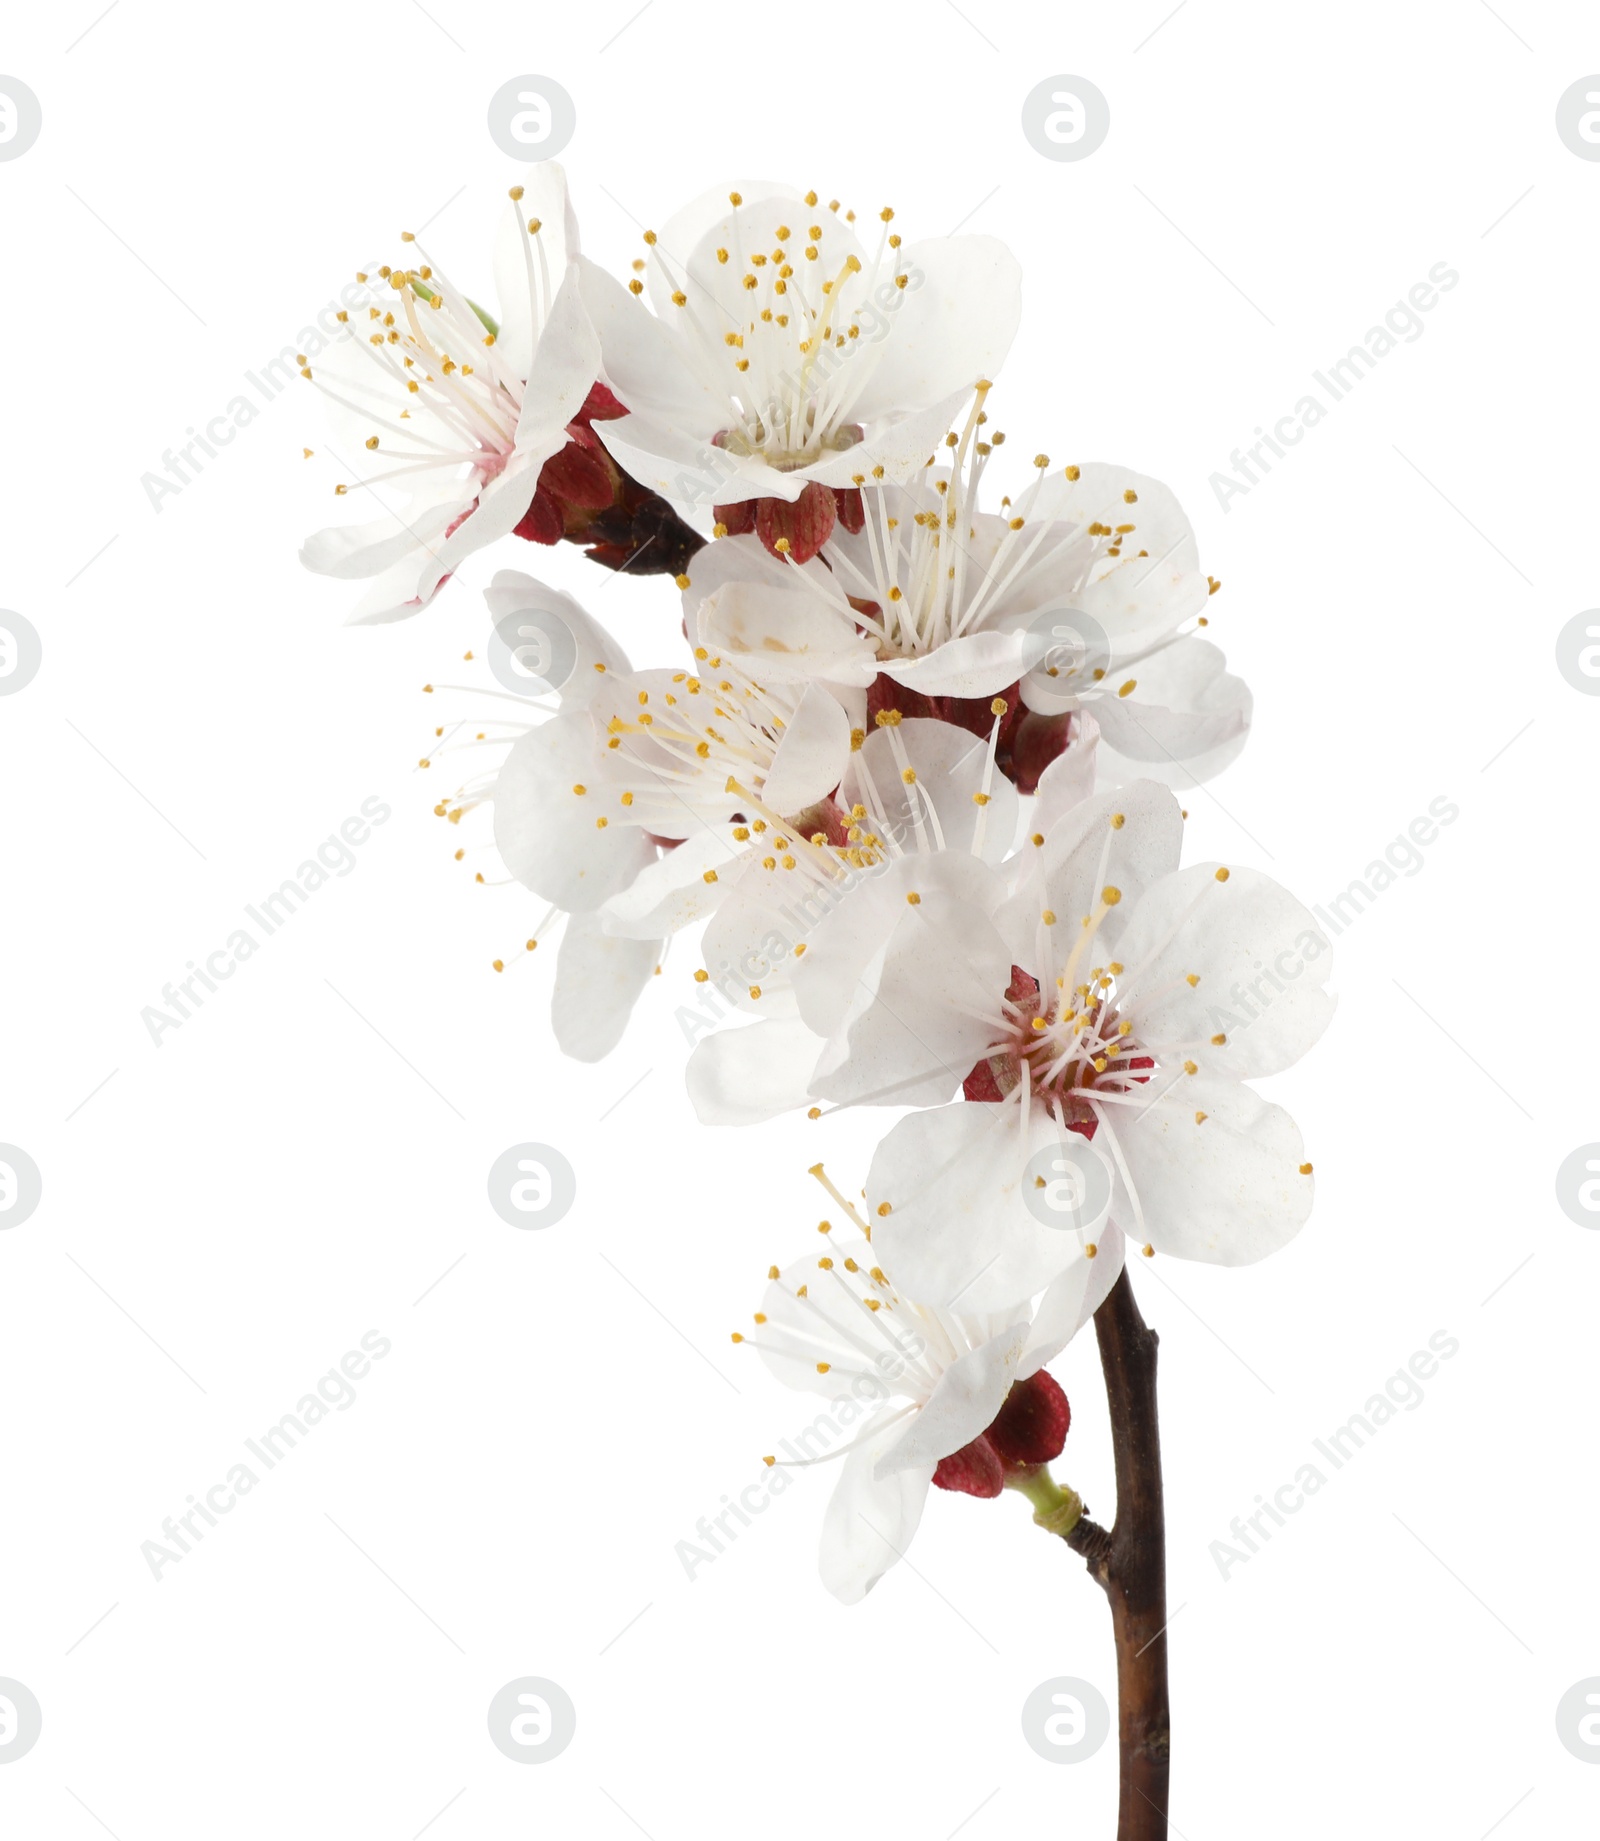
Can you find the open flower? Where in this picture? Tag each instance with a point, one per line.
(1066, 603)
(950, 1397)
(785, 358)
(1096, 990)
(919, 799)
(598, 977)
(467, 408)
(642, 804)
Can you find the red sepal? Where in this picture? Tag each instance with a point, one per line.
(1032, 1426)
(805, 523)
(542, 521)
(974, 1470)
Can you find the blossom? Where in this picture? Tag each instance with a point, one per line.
(598, 977)
(951, 1397)
(649, 795)
(469, 409)
(1089, 988)
(918, 798)
(1067, 602)
(785, 359)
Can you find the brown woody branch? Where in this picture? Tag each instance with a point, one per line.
(1129, 1563)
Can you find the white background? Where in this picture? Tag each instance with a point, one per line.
(304, 1158)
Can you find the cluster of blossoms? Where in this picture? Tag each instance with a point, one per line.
(908, 770)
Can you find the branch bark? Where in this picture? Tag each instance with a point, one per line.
(1129, 1561)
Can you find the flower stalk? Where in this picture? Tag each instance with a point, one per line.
(1057, 1507)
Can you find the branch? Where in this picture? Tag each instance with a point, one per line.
(1128, 1561)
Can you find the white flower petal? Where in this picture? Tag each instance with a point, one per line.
(1069, 873)
(1070, 778)
(689, 240)
(975, 665)
(963, 1403)
(818, 1338)
(959, 1233)
(747, 1075)
(751, 938)
(598, 981)
(1156, 581)
(566, 363)
(1261, 961)
(545, 198)
(951, 767)
(672, 893)
(812, 755)
(851, 921)
(925, 1010)
(1226, 1190)
(643, 363)
(546, 834)
(869, 1524)
(785, 633)
(512, 592)
(947, 332)
(1071, 1300)
(1186, 721)
(351, 552)
(686, 469)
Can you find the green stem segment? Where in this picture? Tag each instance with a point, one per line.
(1057, 1508)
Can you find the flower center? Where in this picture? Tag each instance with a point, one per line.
(1075, 1045)
(773, 435)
